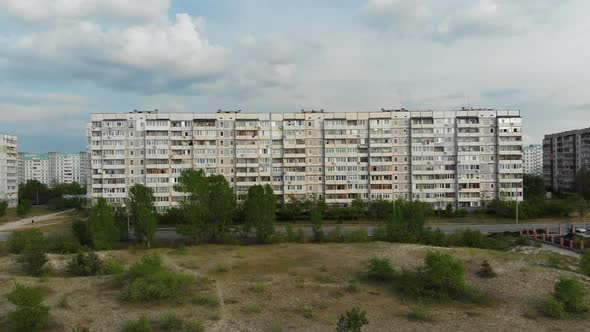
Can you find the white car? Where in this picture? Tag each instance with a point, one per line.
(581, 230)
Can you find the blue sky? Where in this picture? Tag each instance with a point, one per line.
(62, 60)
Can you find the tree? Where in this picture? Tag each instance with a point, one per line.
(196, 205)
(24, 206)
(140, 204)
(357, 208)
(534, 187)
(582, 183)
(260, 208)
(579, 204)
(102, 225)
(3, 208)
(585, 263)
(352, 321)
(31, 314)
(33, 257)
(316, 224)
(222, 206)
(407, 221)
(380, 209)
(34, 191)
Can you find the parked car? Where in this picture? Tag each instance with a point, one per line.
(581, 230)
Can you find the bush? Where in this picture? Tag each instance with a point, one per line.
(3, 208)
(571, 293)
(585, 263)
(85, 265)
(112, 267)
(205, 300)
(555, 309)
(522, 241)
(24, 207)
(356, 236)
(336, 235)
(82, 233)
(31, 314)
(33, 258)
(148, 280)
(170, 322)
(352, 321)
(486, 270)
(142, 324)
(63, 244)
(17, 241)
(418, 315)
(289, 234)
(379, 270)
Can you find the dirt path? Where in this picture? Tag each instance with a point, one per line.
(28, 222)
(223, 323)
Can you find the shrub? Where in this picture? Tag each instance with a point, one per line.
(82, 232)
(585, 263)
(554, 261)
(336, 235)
(419, 315)
(352, 321)
(64, 244)
(379, 270)
(486, 270)
(555, 309)
(445, 272)
(571, 293)
(148, 280)
(24, 207)
(33, 258)
(3, 208)
(169, 322)
(112, 267)
(142, 324)
(85, 265)
(522, 241)
(358, 235)
(205, 300)
(17, 241)
(31, 314)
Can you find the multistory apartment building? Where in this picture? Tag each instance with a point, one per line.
(68, 167)
(8, 169)
(532, 156)
(53, 167)
(33, 166)
(463, 158)
(563, 155)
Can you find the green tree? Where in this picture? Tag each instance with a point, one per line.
(534, 187)
(571, 293)
(260, 208)
(407, 221)
(102, 225)
(140, 204)
(445, 272)
(222, 206)
(380, 209)
(316, 224)
(196, 205)
(581, 184)
(3, 208)
(31, 314)
(352, 321)
(24, 207)
(33, 258)
(358, 208)
(34, 191)
(579, 204)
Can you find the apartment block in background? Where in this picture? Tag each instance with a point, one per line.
(33, 166)
(53, 167)
(532, 156)
(8, 169)
(463, 158)
(563, 155)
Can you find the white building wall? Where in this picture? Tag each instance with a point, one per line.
(9, 169)
(33, 166)
(439, 157)
(533, 159)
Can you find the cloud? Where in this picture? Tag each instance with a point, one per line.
(160, 56)
(469, 19)
(35, 11)
(501, 93)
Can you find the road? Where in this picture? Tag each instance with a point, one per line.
(169, 234)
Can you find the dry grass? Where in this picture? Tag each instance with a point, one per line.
(12, 216)
(305, 287)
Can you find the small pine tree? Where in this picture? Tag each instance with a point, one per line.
(31, 314)
(352, 321)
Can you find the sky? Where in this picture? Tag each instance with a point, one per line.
(61, 60)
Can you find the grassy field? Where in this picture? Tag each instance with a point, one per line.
(305, 287)
(35, 211)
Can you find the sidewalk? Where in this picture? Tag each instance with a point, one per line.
(27, 222)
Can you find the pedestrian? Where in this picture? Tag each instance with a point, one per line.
(32, 221)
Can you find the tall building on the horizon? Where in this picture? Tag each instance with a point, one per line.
(563, 155)
(53, 167)
(8, 169)
(464, 158)
(532, 156)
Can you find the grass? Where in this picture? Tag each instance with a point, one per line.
(205, 300)
(251, 309)
(259, 288)
(419, 315)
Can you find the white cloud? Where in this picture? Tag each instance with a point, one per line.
(405, 16)
(160, 55)
(49, 10)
